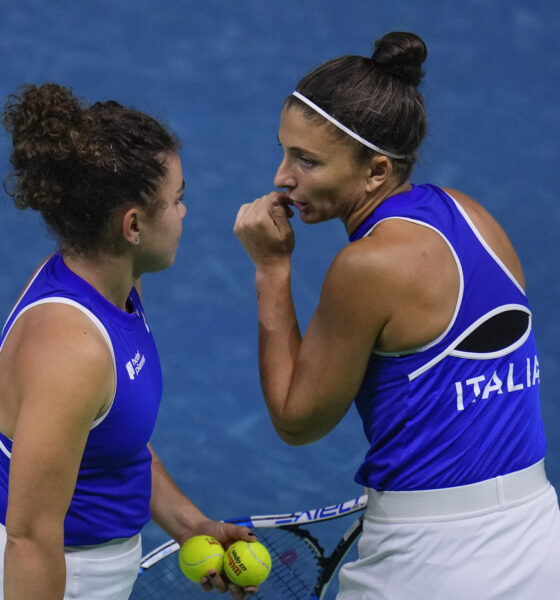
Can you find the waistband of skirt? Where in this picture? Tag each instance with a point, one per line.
(116, 547)
(499, 493)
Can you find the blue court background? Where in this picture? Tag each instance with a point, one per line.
(217, 71)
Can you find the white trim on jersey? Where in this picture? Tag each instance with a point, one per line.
(94, 320)
(459, 295)
(450, 350)
(5, 451)
(485, 244)
(39, 269)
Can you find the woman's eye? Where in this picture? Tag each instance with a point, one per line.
(306, 162)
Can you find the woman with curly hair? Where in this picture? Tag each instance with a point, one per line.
(80, 378)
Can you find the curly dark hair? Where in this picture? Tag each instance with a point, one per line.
(376, 97)
(78, 165)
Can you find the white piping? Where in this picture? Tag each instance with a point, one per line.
(450, 350)
(39, 269)
(5, 450)
(485, 244)
(459, 295)
(95, 321)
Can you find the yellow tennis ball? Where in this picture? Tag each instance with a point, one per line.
(199, 554)
(247, 563)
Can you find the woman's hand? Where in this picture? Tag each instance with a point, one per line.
(227, 534)
(181, 520)
(264, 229)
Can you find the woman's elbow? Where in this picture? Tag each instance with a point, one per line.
(296, 435)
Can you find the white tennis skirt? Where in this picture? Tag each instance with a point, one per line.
(104, 572)
(494, 540)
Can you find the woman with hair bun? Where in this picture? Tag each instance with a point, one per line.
(80, 378)
(423, 322)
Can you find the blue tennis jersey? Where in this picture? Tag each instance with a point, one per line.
(112, 495)
(458, 410)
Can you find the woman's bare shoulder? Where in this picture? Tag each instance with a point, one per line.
(54, 351)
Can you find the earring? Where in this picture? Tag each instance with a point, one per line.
(137, 239)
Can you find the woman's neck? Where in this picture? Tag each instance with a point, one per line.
(361, 213)
(110, 276)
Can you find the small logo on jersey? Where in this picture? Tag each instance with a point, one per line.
(135, 364)
(130, 369)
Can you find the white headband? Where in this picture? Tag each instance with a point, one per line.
(344, 128)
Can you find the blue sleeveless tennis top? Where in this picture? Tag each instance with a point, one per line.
(465, 407)
(113, 489)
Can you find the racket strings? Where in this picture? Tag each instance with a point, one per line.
(295, 564)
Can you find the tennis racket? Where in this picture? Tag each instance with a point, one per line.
(300, 568)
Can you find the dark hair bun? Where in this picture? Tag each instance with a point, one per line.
(401, 54)
(43, 122)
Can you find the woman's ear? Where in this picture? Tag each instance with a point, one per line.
(131, 226)
(380, 170)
